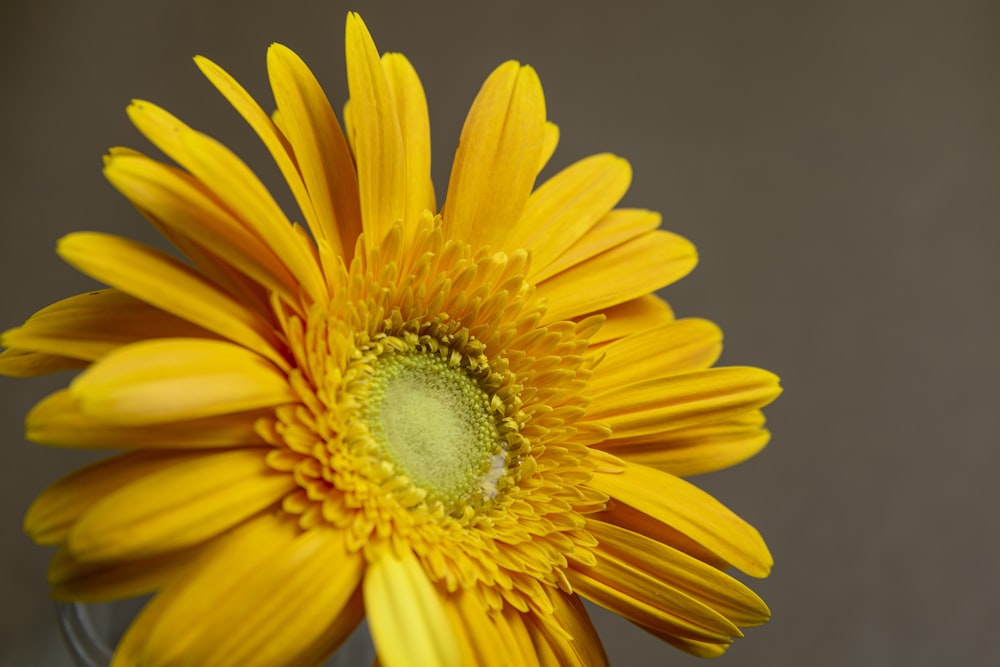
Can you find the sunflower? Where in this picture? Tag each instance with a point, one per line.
(455, 422)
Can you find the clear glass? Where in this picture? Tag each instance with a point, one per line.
(91, 632)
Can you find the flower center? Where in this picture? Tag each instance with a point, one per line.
(434, 423)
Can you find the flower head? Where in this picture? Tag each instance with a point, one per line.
(453, 421)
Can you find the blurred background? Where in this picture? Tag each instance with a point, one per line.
(836, 163)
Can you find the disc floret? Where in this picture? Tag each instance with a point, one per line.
(434, 423)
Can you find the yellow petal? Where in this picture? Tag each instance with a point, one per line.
(335, 634)
(319, 147)
(165, 283)
(268, 594)
(88, 326)
(236, 187)
(642, 599)
(635, 268)
(216, 270)
(56, 509)
(566, 206)
(547, 652)
(160, 127)
(178, 378)
(691, 511)
(694, 647)
(75, 581)
(406, 616)
(350, 132)
(239, 189)
(646, 312)
(480, 640)
(58, 420)
(489, 638)
(377, 141)
(195, 498)
(510, 624)
(615, 228)
(180, 204)
(740, 422)
(679, 347)
(550, 140)
(411, 109)
(567, 636)
(497, 158)
(632, 519)
(25, 363)
(698, 450)
(672, 567)
(268, 132)
(667, 403)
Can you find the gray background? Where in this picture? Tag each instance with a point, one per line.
(837, 164)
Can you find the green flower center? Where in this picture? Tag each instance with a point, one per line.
(436, 426)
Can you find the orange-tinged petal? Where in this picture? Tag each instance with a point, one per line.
(411, 110)
(196, 498)
(406, 616)
(165, 283)
(378, 140)
(58, 420)
(498, 157)
(566, 206)
(178, 378)
(244, 595)
(679, 347)
(691, 511)
(625, 272)
(677, 401)
(320, 149)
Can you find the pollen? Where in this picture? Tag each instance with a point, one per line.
(434, 423)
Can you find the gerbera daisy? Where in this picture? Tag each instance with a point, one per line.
(455, 422)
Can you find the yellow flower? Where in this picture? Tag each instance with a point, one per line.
(454, 422)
